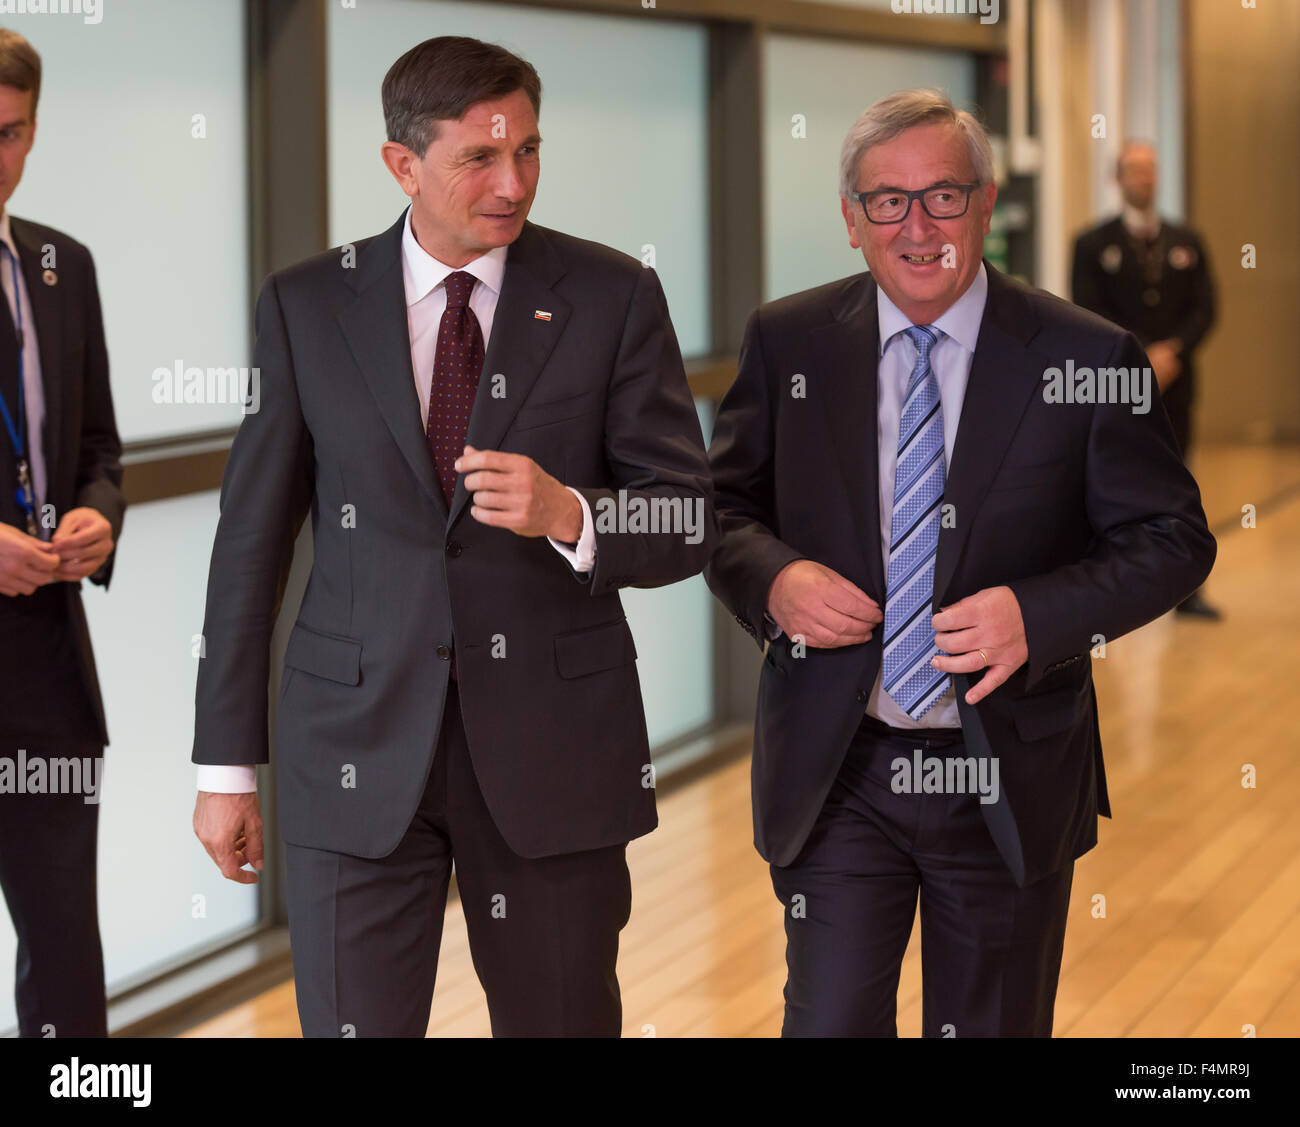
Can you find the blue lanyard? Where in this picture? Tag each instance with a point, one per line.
(17, 436)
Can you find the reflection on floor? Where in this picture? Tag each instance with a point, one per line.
(1200, 876)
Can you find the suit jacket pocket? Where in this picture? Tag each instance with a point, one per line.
(1044, 714)
(556, 411)
(580, 652)
(331, 656)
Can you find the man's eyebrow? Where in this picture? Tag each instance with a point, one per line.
(936, 184)
(477, 150)
(12, 124)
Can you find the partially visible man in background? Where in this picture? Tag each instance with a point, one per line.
(1151, 277)
(61, 508)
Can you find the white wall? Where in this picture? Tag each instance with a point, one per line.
(116, 166)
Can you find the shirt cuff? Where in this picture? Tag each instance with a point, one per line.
(583, 557)
(221, 778)
(772, 630)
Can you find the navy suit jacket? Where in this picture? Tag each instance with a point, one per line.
(1085, 511)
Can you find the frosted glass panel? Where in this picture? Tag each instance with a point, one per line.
(160, 896)
(624, 124)
(830, 84)
(118, 166)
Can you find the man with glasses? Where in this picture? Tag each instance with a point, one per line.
(930, 545)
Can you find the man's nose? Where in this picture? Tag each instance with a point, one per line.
(917, 225)
(510, 185)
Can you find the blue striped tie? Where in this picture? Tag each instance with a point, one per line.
(908, 677)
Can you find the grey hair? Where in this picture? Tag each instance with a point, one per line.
(890, 116)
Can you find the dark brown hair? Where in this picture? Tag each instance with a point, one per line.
(442, 78)
(20, 65)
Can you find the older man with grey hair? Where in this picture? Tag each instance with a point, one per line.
(929, 525)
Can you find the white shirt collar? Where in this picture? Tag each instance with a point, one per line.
(6, 235)
(1140, 222)
(423, 273)
(961, 320)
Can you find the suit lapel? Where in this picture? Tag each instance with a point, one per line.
(1003, 376)
(376, 330)
(846, 355)
(520, 344)
(47, 302)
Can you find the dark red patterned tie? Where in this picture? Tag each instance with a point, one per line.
(457, 365)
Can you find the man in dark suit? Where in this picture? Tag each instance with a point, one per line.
(461, 682)
(1151, 277)
(898, 444)
(61, 509)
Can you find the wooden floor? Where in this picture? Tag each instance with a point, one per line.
(1200, 876)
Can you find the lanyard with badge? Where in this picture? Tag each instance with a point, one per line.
(18, 434)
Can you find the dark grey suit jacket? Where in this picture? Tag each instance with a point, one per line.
(545, 661)
(1085, 511)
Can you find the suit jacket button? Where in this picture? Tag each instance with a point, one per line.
(863, 696)
(444, 652)
(453, 549)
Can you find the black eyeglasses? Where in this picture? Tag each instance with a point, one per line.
(941, 201)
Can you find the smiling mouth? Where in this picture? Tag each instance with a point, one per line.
(921, 259)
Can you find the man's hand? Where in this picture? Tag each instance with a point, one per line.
(821, 605)
(84, 540)
(25, 562)
(230, 828)
(1166, 362)
(988, 620)
(512, 491)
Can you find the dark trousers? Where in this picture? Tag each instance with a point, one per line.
(990, 951)
(48, 841)
(47, 872)
(543, 933)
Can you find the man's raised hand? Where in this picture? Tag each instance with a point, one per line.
(512, 491)
(811, 600)
(987, 621)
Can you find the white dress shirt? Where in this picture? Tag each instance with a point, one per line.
(30, 359)
(426, 301)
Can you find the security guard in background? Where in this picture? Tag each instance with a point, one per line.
(1151, 277)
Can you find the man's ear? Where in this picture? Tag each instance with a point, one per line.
(846, 209)
(401, 162)
(990, 191)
